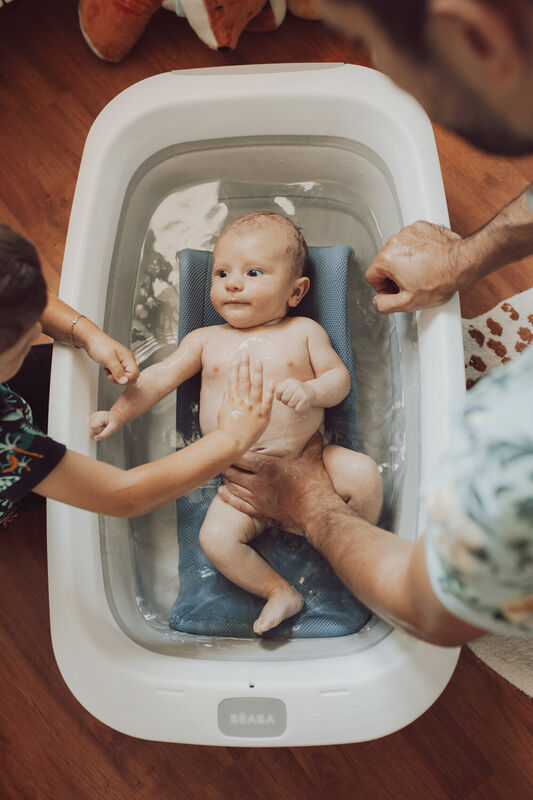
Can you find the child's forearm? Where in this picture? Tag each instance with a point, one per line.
(95, 486)
(151, 485)
(331, 387)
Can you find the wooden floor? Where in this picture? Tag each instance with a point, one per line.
(476, 742)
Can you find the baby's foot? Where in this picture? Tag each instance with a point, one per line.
(281, 604)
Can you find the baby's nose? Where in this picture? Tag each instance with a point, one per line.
(234, 284)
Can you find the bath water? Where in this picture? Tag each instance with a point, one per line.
(337, 193)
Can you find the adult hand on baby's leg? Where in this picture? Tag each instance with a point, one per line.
(296, 394)
(286, 492)
(103, 424)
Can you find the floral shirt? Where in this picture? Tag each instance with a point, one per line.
(479, 505)
(26, 454)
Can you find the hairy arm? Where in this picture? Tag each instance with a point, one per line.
(423, 265)
(506, 238)
(388, 573)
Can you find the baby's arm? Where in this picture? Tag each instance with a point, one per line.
(332, 382)
(152, 384)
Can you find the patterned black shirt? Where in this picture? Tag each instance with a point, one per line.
(27, 455)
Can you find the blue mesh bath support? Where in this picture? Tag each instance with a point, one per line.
(207, 602)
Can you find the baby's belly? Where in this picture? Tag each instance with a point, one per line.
(286, 434)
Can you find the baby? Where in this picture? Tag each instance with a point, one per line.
(258, 275)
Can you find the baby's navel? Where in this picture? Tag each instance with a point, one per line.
(290, 363)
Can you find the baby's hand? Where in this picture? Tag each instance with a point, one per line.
(247, 403)
(103, 424)
(296, 394)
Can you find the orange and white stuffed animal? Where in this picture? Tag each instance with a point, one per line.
(112, 27)
(308, 9)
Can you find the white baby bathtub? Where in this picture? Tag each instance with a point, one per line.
(142, 678)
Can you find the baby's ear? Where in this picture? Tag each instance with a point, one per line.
(300, 288)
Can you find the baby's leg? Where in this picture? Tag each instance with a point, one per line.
(224, 537)
(356, 479)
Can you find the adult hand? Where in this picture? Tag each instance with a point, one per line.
(117, 360)
(286, 492)
(416, 268)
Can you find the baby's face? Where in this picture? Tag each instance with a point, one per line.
(253, 277)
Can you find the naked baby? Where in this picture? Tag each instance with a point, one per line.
(258, 275)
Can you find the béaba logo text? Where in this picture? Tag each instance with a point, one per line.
(252, 719)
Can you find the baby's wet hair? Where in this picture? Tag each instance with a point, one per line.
(22, 286)
(297, 248)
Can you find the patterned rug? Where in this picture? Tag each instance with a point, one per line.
(491, 340)
(496, 337)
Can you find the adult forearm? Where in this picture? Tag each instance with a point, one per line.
(387, 573)
(66, 325)
(506, 238)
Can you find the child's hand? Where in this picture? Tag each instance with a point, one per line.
(296, 394)
(103, 424)
(247, 403)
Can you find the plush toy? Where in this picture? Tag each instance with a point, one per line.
(308, 9)
(219, 24)
(270, 17)
(112, 27)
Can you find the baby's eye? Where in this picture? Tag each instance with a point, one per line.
(254, 273)
(221, 273)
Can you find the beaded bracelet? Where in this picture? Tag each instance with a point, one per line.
(74, 322)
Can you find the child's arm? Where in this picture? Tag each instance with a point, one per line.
(86, 483)
(332, 383)
(152, 384)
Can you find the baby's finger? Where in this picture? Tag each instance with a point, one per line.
(257, 381)
(293, 402)
(280, 388)
(286, 396)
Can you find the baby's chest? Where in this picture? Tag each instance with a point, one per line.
(282, 357)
